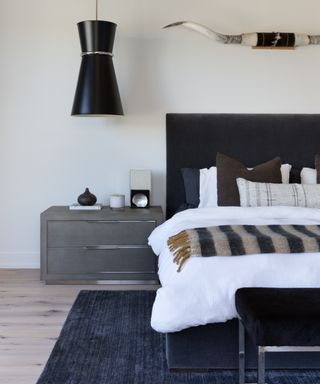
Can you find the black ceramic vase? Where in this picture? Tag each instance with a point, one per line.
(87, 198)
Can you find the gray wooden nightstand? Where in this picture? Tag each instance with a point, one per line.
(92, 246)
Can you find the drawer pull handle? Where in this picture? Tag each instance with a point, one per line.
(100, 221)
(119, 221)
(102, 248)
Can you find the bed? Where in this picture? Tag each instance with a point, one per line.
(193, 141)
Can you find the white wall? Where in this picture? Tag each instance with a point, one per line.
(48, 157)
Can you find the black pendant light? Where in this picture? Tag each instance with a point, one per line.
(97, 90)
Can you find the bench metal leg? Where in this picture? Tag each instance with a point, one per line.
(241, 353)
(261, 358)
(261, 365)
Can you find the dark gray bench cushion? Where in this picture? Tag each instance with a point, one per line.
(280, 316)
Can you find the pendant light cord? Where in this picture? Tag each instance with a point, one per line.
(96, 9)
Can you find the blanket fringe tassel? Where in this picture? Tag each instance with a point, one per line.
(179, 245)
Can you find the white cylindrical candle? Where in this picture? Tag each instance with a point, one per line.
(117, 201)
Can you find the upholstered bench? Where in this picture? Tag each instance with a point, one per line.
(277, 320)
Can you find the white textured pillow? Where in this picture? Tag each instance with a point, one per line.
(208, 191)
(268, 194)
(308, 176)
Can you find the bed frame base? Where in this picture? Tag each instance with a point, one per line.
(216, 346)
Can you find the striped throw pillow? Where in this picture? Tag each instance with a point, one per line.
(268, 194)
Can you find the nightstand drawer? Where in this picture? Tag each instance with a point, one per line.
(81, 233)
(93, 261)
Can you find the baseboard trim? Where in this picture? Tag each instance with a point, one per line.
(19, 260)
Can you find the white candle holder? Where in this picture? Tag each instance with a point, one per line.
(117, 201)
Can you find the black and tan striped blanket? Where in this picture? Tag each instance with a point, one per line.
(236, 240)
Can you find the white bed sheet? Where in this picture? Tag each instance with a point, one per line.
(203, 292)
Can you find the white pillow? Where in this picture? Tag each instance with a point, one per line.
(270, 194)
(285, 173)
(208, 191)
(308, 176)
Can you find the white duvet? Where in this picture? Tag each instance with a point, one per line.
(203, 292)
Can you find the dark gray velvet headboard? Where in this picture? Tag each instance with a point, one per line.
(194, 139)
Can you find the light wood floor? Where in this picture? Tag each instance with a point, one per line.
(31, 317)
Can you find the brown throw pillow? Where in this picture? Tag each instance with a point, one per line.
(317, 165)
(229, 169)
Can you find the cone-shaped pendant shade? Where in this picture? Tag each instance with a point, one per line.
(97, 90)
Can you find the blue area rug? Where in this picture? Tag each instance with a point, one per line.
(107, 339)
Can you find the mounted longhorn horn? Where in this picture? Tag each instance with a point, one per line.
(225, 39)
(255, 39)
